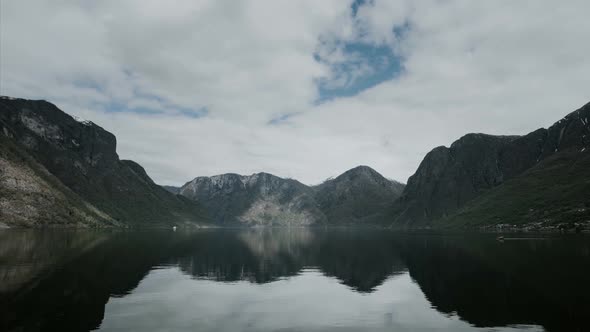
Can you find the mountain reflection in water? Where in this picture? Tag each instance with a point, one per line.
(290, 279)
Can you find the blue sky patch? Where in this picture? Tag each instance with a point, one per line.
(281, 119)
(170, 109)
(365, 65)
(115, 106)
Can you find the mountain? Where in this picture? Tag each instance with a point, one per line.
(30, 195)
(554, 192)
(63, 171)
(60, 171)
(484, 179)
(358, 196)
(258, 199)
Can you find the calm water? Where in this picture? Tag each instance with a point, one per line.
(291, 280)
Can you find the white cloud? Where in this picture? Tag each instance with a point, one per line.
(498, 67)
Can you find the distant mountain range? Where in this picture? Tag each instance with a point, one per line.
(359, 196)
(258, 199)
(58, 171)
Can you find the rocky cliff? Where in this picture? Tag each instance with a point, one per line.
(78, 157)
(358, 196)
(30, 196)
(257, 199)
(477, 164)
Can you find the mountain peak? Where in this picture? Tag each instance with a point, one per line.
(257, 199)
(231, 179)
(359, 195)
(361, 169)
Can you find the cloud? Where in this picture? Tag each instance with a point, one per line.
(204, 87)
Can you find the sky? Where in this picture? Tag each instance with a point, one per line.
(303, 89)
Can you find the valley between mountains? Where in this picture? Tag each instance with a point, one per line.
(56, 171)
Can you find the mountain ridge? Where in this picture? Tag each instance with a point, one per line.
(82, 156)
(260, 198)
(60, 171)
(475, 165)
(237, 199)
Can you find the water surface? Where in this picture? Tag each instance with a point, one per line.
(291, 280)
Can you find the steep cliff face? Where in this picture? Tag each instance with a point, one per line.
(448, 178)
(258, 199)
(30, 196)
(554, 191)
(82, 156)
(358, 196)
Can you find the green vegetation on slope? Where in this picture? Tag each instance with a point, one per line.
(554, 191)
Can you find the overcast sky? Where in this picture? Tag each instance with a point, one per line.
(304, 89)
